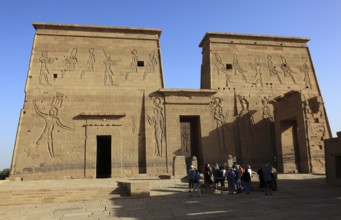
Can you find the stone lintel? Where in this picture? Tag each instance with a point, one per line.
(103, 114)
(287, 94)
(188, 92)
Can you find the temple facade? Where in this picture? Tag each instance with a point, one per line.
(96, 107)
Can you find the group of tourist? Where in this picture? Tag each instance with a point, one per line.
(238, 178)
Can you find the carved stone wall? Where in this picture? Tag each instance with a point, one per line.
(96, 94)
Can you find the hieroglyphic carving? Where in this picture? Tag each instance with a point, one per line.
(90, 63)
(286, 69)
(157, 120)
(237, 68)
(150, 64)
(222, 68)
(272, 69)
(57, 100)
(108, 73)
(256, 66)
(51, 119)
(69, 62)
(44, 71)
(220, 119)
(133, 64)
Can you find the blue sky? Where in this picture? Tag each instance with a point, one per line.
(183, 24)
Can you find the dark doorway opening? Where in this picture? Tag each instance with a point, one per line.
(103, 159)
(192, 123)
(290, 147)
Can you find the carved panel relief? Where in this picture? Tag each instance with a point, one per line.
(44, 71)
(69, 62)
(288, 72)
(90, 63)
(51, 120)
(157, 121)
(108, 72)
(220, 118)
(150, 64)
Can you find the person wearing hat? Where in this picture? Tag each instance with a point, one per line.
(191, 178)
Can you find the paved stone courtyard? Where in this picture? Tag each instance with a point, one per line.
(299, 196)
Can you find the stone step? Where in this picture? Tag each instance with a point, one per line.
(40, 196)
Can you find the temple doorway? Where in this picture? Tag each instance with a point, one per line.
(103, 158)
(290, 148)
(190, 131)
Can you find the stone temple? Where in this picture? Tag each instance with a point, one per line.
(96, 107)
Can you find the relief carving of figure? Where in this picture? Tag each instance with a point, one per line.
(133, 64)
(272, 69)
(220, 119)
(307, 81)
(266, 109)
(108, 73)
(51, 120)
(237, 68)
(258, 78)
(245, 124)
(157, 120)
(222, 68)
(151, 62)
(287, 70)
(70, 62)
(44, 71)
(90, 63)
(185, 138)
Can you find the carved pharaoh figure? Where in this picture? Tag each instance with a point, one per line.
(237, 68)
(307, 81)
(108, 73)
(272, 69)
(245, 124)
(90, 63)
(287, 70)
(258, 78)
(44, 72)
(70, 62)
(51, 120)
(222, 68)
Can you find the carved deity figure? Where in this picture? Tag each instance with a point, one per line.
(266, 109)
(157, 120)
(184, 138)
(150, 64)
(222, 68)
(220, 119)
(307, 81)
(44, 72)
(133, 64)
(258, 78)
(237, 68)
(287, 70)
(51, 120)
(272, 69)
(108, 73)
(70, 62)
(245, 124)
(90, 63)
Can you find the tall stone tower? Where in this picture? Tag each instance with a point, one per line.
(271, 96)
(86, 97)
